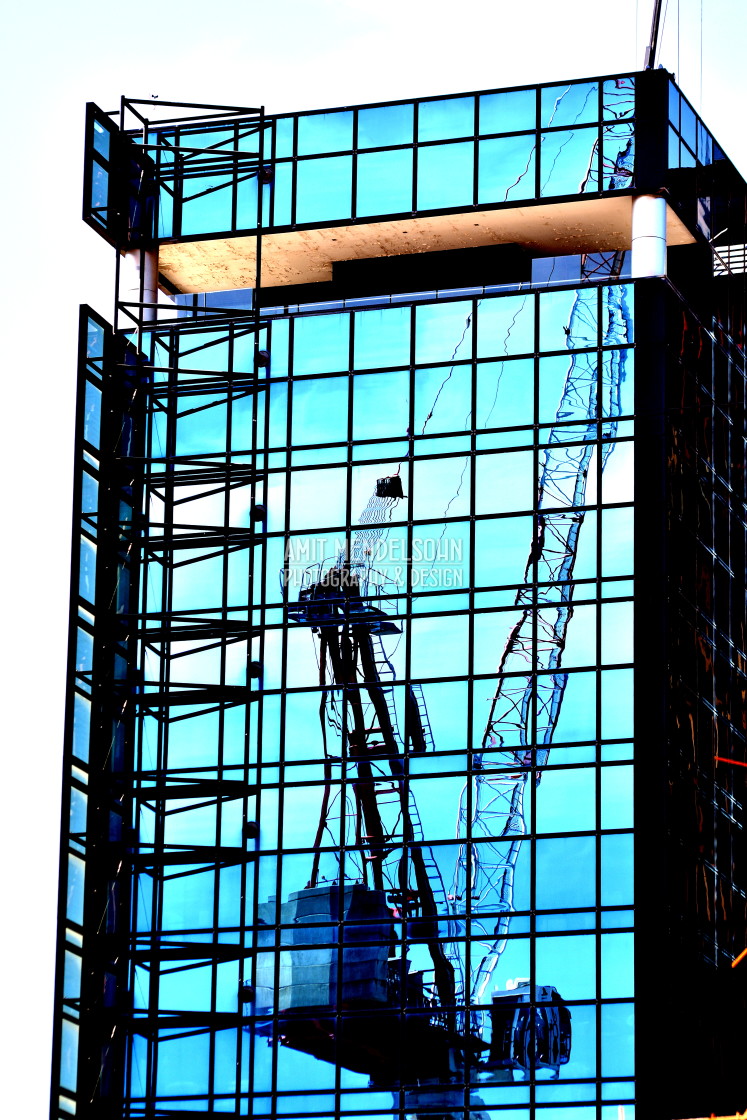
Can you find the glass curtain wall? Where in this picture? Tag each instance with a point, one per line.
(386, 766)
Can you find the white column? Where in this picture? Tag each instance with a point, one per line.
(140, 266)
(649, 236)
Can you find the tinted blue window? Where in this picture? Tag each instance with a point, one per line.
(384, 184)
(87, 575)
(568, 163)
(514, 111)
(324, 189)
(206, 204)
(575, 103)
(101, 137)
(688, 124)
(506, 168)
(447, 119)
(382, 337)
(281, 194)
(321, 343)
(92, 417)
(445, 176)
(618, 157)
(283, 137)
(388, 124)
(325, 132)
(99, 186)
(618, 98)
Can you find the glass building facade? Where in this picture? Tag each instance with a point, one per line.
(406, 738)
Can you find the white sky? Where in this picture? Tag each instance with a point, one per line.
(287, 55)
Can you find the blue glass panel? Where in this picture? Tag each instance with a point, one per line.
(205, 351)
(224, 1061)
(388, 124)
(501, 550)
(617, 797)
(382, 338)
(370, 420)
(673, 156)
(186, 989)
(446, 119)
(617, 870)
(73, 969)
(506, 168)
(194, 741)
(618, 157)
(577, 719)
(183, 1065)
(320, 411)
(443, 331)
(89, 500)
(94, 339)
(566, 800)
(101, 138)
(92, 415)
(324, 189)
(443, 401)
(76, 874)
(165, 214)
(505, 482)
(321, 344)
(508, 112)
(207, 212)
(618, 98)
(617, 703)
(505, 326)
(87, 572)
(569, 162)
(99, 186)
(618, 1029)
(617, 542)
(81, 726)
(441, 488)
(617, 965)
(282, 186)
(617, 633)
(688, 125)
(84, 651)
(283, 137)
(189, 823)
(571, 104)
(317, 499)
(188, 901)
(565, 869)
(505, 392)
(674, 106)
(201, 428)
(78, 810)
(687, 158)
(568, 963)
(445, 176)
(705, 145)
(246, 203)
(568, 320)
(325, 132)
(69, 1056)
(384, 184)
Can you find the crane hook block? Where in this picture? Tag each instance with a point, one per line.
(390, 487)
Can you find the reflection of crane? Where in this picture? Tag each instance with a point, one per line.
(399, 897)
(343, 601)
(526, 705)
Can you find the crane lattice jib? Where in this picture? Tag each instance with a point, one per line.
(492, 801)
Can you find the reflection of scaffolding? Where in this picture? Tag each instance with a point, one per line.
(526, 705)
